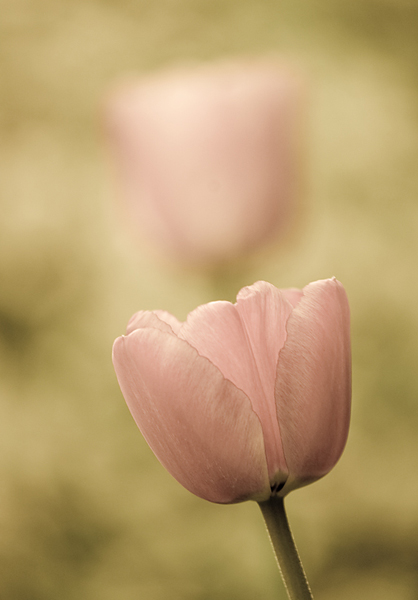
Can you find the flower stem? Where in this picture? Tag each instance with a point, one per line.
(284, 547)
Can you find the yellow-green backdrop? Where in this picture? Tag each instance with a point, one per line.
(86, 511)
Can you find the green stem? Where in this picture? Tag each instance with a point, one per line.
(285, 549)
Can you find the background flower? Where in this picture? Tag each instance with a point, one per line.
(208, 157)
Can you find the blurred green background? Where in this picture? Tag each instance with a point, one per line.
(86, 511)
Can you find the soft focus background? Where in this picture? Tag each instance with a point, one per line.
(86, 511)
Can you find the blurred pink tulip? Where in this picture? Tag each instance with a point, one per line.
(243, 400)
(207, 157)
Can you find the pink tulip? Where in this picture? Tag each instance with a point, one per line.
(243, 400)
(207, 158)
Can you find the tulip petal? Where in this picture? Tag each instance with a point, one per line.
(170, 319)
(199, 425)
(160, 319)
(243, 341)
(293, 295)
(264, 312)
(146, 318)
(313, 385)
(216, 331)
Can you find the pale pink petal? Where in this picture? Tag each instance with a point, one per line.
(216, 331)
(199, 425)
(170, 319)
(313, 386)
(264, 312)
(243, 341)
(146, 318)
(293, 295)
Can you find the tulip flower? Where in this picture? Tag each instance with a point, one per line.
(207, 157)
(247, 400)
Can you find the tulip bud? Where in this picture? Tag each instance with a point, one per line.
(246, 400)
(207, 157)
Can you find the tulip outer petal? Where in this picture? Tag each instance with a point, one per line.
(199, 425)
(313, 384)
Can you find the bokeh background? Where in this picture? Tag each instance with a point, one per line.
(86, 511)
